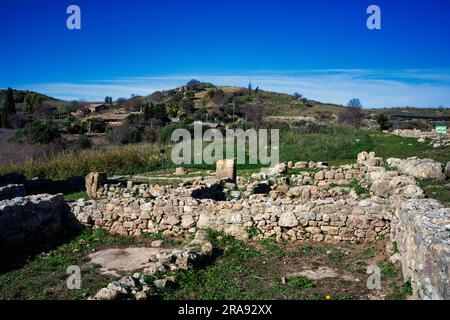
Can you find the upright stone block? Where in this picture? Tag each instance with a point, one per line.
(94, 181)
(226, 169)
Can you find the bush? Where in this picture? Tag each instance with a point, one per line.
(352, 115)
(383, 121)
(82, 143)
(150, 135)
(165, 133)
(43, 132)
(124, 134)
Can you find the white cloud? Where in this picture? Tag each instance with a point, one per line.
(375, 88)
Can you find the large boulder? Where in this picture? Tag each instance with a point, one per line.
(94, 181)
(426, 169)
(386, 184)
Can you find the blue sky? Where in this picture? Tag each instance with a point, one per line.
(319, 48)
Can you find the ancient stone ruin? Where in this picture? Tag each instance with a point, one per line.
(31, 218)
(93, 182)
(363, 202)
(226, 169)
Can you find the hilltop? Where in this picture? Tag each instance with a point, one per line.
(208, 102)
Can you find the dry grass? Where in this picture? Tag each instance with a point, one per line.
(112, 160)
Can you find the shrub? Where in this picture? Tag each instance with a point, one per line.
(124, 134)
(82, 142)
(351, 115)
(165, 133)
(43, 132)
(150, 135)
(383, 121)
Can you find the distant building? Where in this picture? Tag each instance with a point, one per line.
(115, 119)
(80, 112)
(96, 107)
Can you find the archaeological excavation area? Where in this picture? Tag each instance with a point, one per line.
(302, 230)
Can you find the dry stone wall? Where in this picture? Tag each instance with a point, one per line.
(321, 220)
(12, 191)
(422, 237)
(318, 205)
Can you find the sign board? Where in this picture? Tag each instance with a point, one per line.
(441, 129)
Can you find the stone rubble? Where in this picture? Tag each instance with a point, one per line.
(138, 286)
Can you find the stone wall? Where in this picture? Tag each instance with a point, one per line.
(321, 220)
(318, 205)
(422, 236)
(32, 217)
(12, 191)
(414, 133)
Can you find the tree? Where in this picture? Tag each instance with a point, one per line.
(146, 111)
(187, 105)
(108, 100)
(161, 112)
(3, 118)
(254, 114)
(355, 102)
(8, 104)
(250, 87)
(173, 108)
(353, 114)
(298, 95)
(30, 101)
(43, 132)
(383, 121)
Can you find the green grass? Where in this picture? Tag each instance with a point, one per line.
(388, 270)
(400, 292)
(338, 145)
(357, 186)
(439, 190)
(237, 271)
(44, 276)
(242, 271)
(76, 195)
(387, 146)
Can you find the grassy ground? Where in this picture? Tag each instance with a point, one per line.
(437, 190)
(256, 271)
(27, 275)
(238, 270)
